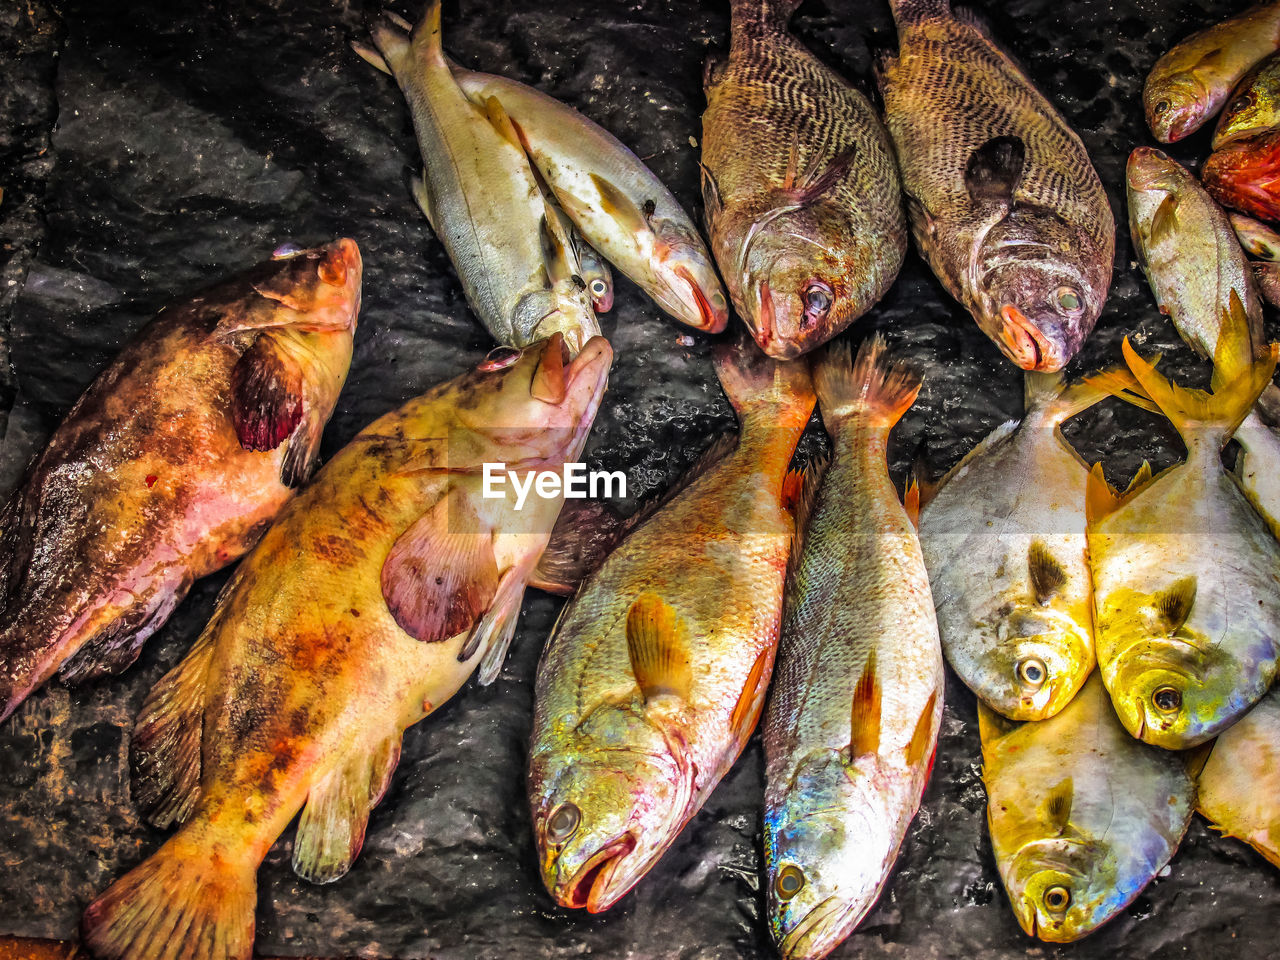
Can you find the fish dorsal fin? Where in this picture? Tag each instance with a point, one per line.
(995, 169)
(922, 736)
(1173, 604)
(1056, 811)
(1164, 222)
(616, 204)
(1048, 576)
(1100, 497)
(658, 648)
(864, 730)
(437, 581)
(266, 394)
(747, 710)
(1121, 383)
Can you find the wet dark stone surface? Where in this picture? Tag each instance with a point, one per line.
(194, 137)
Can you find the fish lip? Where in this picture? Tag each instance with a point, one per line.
(814, 921)
(588, 885)
(709, 319)
(763, 330)
(1022, 343)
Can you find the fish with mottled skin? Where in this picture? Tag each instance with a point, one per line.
(1186, 574)
(1082, 816)
(856, 702)
(1245, 175)
(171, 464)
(1005, 204)
(1004, 542)
(366, 606)
(1238, 786)
(1254, 105)
(655, 674)
(800, 186)
(481, 196)
(1191, 82)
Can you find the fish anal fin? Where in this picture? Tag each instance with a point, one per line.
(995, 169)
(658, 648)
(922, 737)
(1056, 811)
(616, 204)
(864, 731)
(497, 627)
(746, 712)
(266, 394)
(1048, 576)
(441, 574)
(1100, 497)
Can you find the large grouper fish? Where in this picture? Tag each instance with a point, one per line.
(655, 674)
(800, 186)
(853, 716)
(365, 607)
(171, 465)
(1003, 200)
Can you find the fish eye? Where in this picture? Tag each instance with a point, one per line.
(1241, 103)
(790, 881)
(817, 299)
(599, 288)
(1032, 672)
(563, 822)
(1057, 899)
(1068, 299)
(1162, 106)
(499, 358)
(1167, 700)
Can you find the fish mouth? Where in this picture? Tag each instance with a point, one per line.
(709, 319)
(826, 925)
(765, 323)
(590, 886)
(1023, 343)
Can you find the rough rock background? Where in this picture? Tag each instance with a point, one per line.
(150, 146)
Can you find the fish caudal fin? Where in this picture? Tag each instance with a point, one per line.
(756, 384)
(397, 45)
(870, 388)
(1120, 383)
(1049, 392)
(180, 903)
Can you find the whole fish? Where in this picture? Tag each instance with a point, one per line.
(852, 722)
(481, 196)
(171, 464)
(1254, 105)
(1186, 591)
(802, 196)
(1238, 788)
(1005, 545)
(655, 674)
(366, 606)
(617, 203)
(1082, 816)
(1191, 82)
(1258, 239)
(1245, 175)
(1004, 202)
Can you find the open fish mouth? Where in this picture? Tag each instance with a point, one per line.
(821, 929)
(709, 319)
(1023, 343)
(591, 887)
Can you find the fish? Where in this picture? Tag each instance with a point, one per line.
(1254, 105)
(655, 674)
(366, 606)
(1238, 786)
(800, 187)
(171, 465)
(1004, 540)
(617, 203)
(1258, 239)
(1267, 275)
(1245, 175)
(1004, 202)
(481, 196)
(1186, 596)
(1191, 82)
(1081, 816)
(852, 720)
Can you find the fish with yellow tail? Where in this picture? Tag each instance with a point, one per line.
(171, 465)
(853, 717)
(1082, 816)
(801, 189)
(364, 608)
(1186, 593)
(1004, 541)
(655, 674)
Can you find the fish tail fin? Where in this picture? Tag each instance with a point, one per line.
(1049, 392)
(396, 45)
(1120, 383)
(760, 386)
(871, 387)
(180, 902)
(907, 12)
(775, 13)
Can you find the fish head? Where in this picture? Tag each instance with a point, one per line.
(1027, 660)
(1040, 285)
(1175, 104)
(1254, 108)
(1244, 175)
(596, 274)
(688, 286)
(827, 852)
(1062, 888)
(1149, 169)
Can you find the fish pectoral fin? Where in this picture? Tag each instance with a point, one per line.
(815, 181)
(332, 825)
(923, 222)
(864, 729)
(441, 574)
(422, 197)
(494, 631)
(266, 394)
(586, 532)
(1056, 809)
(167, 739)
(1047, 574)
(1165, 220)
(923, 738)
(1173, 604)
(658, 648)
(713, 69)
(995, 169)
(616, 204)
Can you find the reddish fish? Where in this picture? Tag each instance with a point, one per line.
(1245, 175)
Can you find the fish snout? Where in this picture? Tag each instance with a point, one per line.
(712, 308)
(1024, 343)
(597, 884)
(819, 931)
